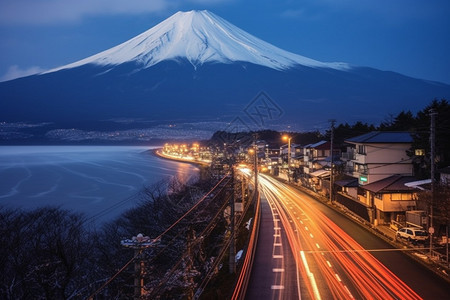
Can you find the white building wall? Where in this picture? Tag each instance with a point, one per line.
(383, 160)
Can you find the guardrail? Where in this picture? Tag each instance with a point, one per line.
(394, 225)
(240, 288)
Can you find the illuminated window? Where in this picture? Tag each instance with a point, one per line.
(403, 196)
(419, 152)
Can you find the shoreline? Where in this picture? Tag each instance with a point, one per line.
(158, 153)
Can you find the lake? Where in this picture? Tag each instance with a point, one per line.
(100, 181)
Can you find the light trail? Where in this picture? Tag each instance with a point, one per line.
(331, 264)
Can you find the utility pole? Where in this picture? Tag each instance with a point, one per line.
(446, 244)
(288, 139)
(138, 243)
(432, 161)
(331, 159)
(256, 168)
(188, 276)
(289, 160)
(243, 190)
(232, 259)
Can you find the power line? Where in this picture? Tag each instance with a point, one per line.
(158, 238)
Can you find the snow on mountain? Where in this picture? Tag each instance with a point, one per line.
(189, 69)
(200, 37)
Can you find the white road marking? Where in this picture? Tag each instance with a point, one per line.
(277, 287)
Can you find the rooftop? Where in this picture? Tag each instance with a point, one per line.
(315, 145)
(394, 183)
(382, 137)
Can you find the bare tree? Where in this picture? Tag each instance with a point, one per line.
(48, 254)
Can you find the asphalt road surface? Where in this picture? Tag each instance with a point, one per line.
(306, 250)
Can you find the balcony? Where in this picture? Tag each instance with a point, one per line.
(348, 155)
(360, 158)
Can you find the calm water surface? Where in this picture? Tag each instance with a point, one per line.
(99, 181)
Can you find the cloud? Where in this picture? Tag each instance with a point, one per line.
(293, 13)
(54, 11)
(16, 72)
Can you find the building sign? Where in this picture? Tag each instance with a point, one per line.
(363, 179)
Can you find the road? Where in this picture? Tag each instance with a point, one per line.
(331, 257)
(274, 276)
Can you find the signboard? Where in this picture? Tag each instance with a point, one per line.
(363, 179)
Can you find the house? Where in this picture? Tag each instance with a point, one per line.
(269, 159)
(377, 155)
(316, 165)
(296, 150)
(313, 154)
(348, 186)
(295, 159)
(389, 197)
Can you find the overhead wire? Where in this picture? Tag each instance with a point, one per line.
(158, 238)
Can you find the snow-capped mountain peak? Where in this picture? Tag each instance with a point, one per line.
(200, 37)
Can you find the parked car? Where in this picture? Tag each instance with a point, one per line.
(412, 234)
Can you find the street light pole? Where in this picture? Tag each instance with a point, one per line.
(288, 138)
(331, 160)
(256, 168)
(254, 151)
(289, 159)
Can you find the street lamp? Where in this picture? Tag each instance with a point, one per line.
(288, 139)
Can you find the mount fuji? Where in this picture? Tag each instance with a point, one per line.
(196, 67)
(199, 37)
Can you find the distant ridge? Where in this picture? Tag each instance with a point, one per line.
(197, 68)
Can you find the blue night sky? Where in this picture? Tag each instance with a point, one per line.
(411, 37)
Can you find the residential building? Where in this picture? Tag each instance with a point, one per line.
(378, 155)
(317, 165)
(296, 150)
(389, 197)
(313, 154)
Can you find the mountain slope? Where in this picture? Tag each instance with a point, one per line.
(196, 67)
(200, 37)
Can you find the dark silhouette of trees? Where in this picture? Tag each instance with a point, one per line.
(44, 254)
(404, 121)
(49, 253)
(345, 131)
(421, 138)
